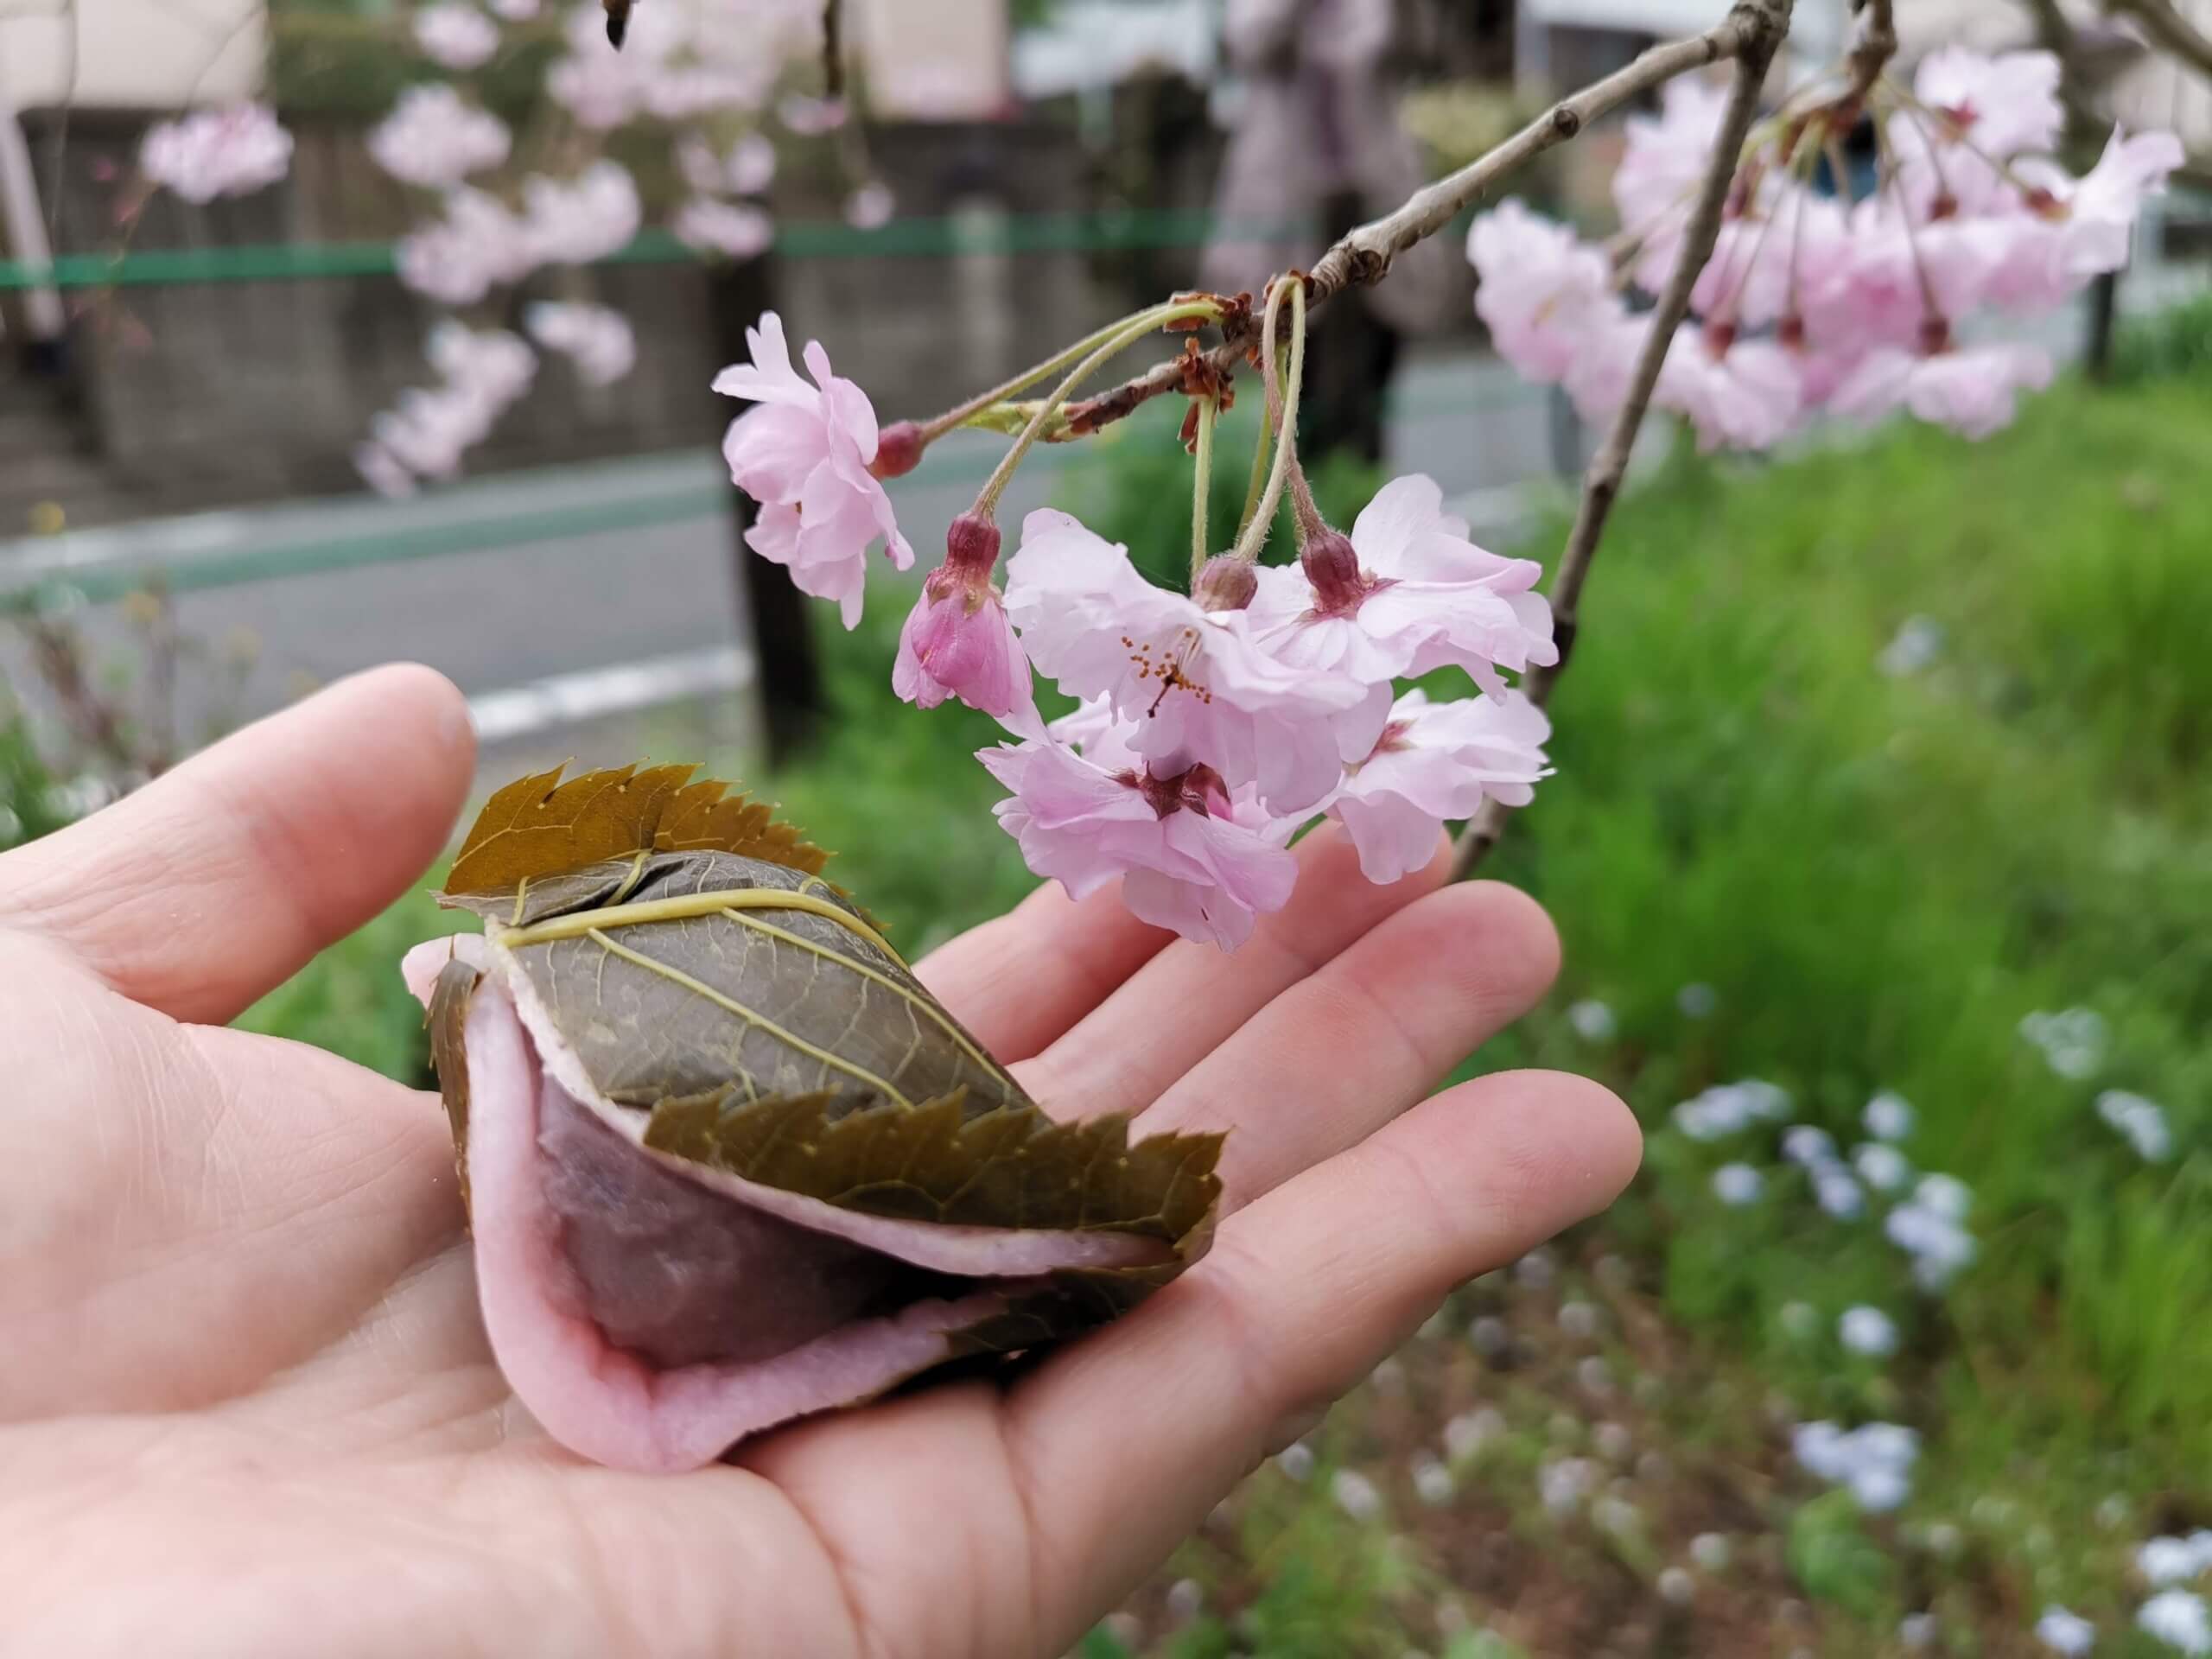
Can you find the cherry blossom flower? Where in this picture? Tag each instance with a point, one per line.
(2002, 104)
(870, 207)
(748, 170)
(576, 221)
(804, 454)
(478, 245)
(1744, 394)
(434, 138)
(1542, 288)
(1190, 857)
(212, 153)
(515, 11)
(1406, 593)
(383, 472)
(1437, 762)
(1196, 683)
(957, 642)
(1973, 390)
(490, 365)
(2098, 213)
(456, 37)
(597, 339)
(737, 230)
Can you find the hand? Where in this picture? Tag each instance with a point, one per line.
(246, 1407)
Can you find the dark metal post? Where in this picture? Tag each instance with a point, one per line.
(781, 617)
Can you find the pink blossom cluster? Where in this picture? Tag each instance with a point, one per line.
(1812, 302)
(686, 77)
(1212, 725)
(211, 153)
(425, 433)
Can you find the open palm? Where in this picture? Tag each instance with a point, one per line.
(246, 1406)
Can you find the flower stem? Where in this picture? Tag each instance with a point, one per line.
(1255, 533)
(1124, 336)
(1261, 452)
(1202, 489)
(961, 414)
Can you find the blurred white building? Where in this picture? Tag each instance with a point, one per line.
(132, 54)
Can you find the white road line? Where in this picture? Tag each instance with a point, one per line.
(619, 688)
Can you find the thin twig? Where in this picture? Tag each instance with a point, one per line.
(1364, 255)
(1875, 44)
(1762, 24)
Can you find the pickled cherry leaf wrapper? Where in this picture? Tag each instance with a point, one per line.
(727, 1161)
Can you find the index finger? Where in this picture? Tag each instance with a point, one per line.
(214, 883)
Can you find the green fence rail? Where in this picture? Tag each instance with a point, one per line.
(798, 239)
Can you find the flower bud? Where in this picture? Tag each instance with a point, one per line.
(897, 450)
(971, 546)
(1332, 564)
(1225, 584)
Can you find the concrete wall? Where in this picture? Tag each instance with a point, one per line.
(205, 393)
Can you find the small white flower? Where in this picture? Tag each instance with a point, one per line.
(2065, 1632)
(1676, 1587)
(1738, 1185)
(2169, 1561)
(1578, 1319)
(1710, 1551)
(1918, 643)
(1888, 1116)
(1356, 1495)
(1881, 1166)
(1186, 1598)
(1946, 1195)
(1867, 1331)
(1433, 1481)
(1535, 1270)
(2072, 1040)
(1808, 1145)
(1616, 1516)
(1471, 1431)
(1565, 1482)
(1595, 1376)
(2178, 1618)
(1296, 1460)
(1918, 1630)
(1490, 1336)
(2141, 1120)
(1837, 1193)
(1592, 1020)
(1613, 1442)
(1697, 1001)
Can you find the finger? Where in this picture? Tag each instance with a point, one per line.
(1123, 1443)
(1340, 1054)
(211, 884)
(1019, 980)
(1188, 1000)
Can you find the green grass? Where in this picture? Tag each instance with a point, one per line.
(1878, 877)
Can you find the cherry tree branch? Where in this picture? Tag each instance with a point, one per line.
(1364, 255)
(1762, 24)
(2167, 25)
